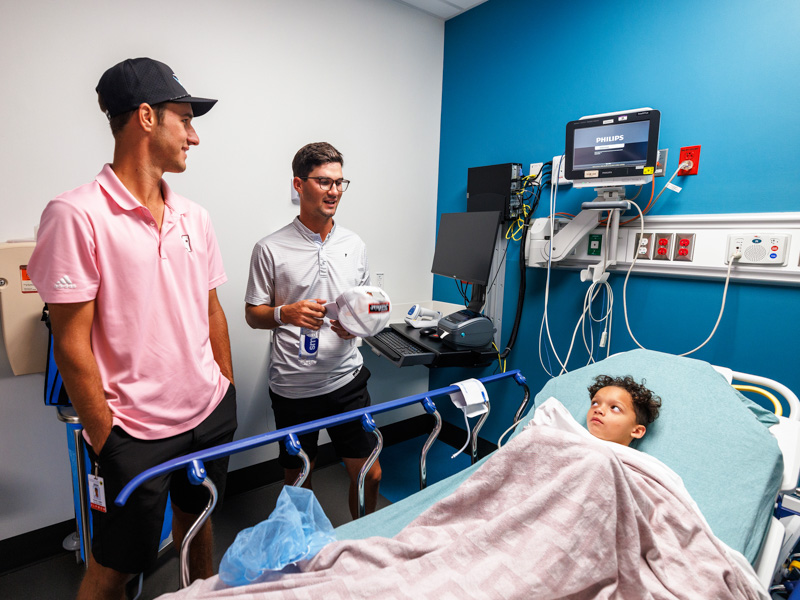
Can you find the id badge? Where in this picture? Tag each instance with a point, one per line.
(97, 493)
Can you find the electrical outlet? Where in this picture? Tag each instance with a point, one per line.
(560, 169)
(536, 172)
(691, 153)
(661, 163)
(662, 246)
(684, 247)
(644, 248)
(379, 280)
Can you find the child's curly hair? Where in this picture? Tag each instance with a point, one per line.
(645, 402)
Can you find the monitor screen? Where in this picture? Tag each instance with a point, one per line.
(465, 245)
(618, 146)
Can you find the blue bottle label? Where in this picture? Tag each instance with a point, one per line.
(310, 344)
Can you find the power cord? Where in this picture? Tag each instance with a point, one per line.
(528, 213)
(687, 164)
(734, 257)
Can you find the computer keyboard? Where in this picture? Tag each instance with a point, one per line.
(397, 343)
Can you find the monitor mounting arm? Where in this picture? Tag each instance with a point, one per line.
(611, 199)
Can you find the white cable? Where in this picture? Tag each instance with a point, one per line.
(500, 440)
(687, 164)
(628, 274)
(607, 317)
(735, 256)
(545, 321)
(590, 295)
(469, 435)
(139, 593)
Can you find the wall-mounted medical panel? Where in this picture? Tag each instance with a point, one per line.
(24, 334)
(700, 247)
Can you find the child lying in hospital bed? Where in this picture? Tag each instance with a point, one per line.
(620, 409)
(559, 512)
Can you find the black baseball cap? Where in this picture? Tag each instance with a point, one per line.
(128, 84)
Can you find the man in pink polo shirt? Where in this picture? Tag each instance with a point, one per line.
(129, 270)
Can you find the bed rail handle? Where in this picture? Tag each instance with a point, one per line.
(294, 449)
(430, 408)
(196, 472)
(256, 441)
(369, 426)
(475, 430)
(520, 379)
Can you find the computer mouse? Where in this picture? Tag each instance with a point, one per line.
(427, 331)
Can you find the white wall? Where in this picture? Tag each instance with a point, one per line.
(365, 75)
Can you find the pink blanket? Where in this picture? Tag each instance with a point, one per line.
(551, 515)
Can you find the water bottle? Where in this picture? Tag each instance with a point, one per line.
(309, 344)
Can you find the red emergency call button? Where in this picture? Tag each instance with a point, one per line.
(774, 248)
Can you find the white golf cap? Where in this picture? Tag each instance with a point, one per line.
(363, 311)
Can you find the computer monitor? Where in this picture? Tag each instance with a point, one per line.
(612, 149)
(465, 248)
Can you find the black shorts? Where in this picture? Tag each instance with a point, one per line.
(349, 439)
(126, 538)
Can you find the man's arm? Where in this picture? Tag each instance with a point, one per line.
(72, 348)
(305, 313)
(218, 334)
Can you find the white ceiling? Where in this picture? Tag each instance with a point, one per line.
(444, 9)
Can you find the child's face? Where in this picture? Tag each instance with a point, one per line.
(611, 416)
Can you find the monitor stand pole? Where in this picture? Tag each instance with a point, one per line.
(477, 298)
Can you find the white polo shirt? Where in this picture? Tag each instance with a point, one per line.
(294, 264)
(150, 334)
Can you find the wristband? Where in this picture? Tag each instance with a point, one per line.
(277, 316)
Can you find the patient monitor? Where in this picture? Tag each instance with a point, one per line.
(606, 152)
(612, 149)
(24, 334)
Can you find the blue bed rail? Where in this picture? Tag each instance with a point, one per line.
(193, 463)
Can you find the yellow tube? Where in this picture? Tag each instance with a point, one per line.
(771, 397)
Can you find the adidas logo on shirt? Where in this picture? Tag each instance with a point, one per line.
(65, 283)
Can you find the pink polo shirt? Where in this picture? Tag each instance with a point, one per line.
(150, 334)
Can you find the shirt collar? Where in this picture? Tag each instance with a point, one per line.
(109, 181)
(310, 235)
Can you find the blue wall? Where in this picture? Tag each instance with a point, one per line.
(725, 76)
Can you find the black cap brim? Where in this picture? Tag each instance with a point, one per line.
(200, 106)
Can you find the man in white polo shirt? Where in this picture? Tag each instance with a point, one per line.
(293, 273)
(129, 270)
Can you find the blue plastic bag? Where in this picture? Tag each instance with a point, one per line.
(295, 531)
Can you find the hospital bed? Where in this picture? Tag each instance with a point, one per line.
(733, 456)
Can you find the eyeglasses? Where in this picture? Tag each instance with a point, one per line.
(325, 183)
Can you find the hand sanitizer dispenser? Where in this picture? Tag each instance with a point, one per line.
(24, 334)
